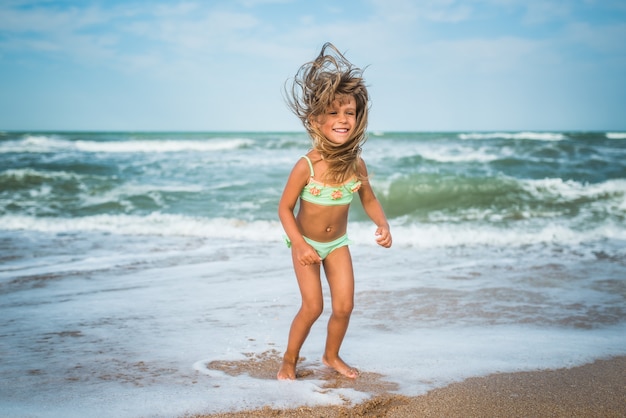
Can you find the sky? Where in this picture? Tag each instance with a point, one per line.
(221, 65)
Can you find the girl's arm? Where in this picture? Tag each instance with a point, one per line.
(303, 252)
(373, 209)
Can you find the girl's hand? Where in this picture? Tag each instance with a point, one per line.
(306, 255)
(383, 236)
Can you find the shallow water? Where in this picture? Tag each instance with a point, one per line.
(128, 326)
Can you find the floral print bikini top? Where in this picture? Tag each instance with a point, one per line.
(316, 192)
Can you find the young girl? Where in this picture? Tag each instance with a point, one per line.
(330, 98)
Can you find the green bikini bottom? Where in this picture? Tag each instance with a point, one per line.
(324, 248)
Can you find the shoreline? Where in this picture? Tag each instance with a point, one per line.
(596, 389)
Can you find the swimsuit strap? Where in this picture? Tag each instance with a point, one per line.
(308, 160)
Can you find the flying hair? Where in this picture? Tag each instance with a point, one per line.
(316, 85)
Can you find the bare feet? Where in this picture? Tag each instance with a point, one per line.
(287, 370)
(341, 367)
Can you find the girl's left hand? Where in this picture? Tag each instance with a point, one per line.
(383, 236)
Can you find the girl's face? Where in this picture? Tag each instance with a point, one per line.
(337, 123)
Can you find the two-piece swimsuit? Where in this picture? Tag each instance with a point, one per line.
(320, 194)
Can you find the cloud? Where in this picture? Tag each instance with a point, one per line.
(203, 32)
(539, 12)
(605, 39)
(125, 37)
(62, 33)
(212, 55)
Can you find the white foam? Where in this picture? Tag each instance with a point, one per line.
(34, 143)
(616, 135)
(22, 173)
(145, 146)
(446, 235)
(158, 224)
(273, 393)
(537, 136)
(556, 189)
(443, 151)
(45, 144)
(458, 154)
(421, 235)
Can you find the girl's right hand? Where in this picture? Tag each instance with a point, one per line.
(306, 255)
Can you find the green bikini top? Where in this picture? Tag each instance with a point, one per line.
(319, 193)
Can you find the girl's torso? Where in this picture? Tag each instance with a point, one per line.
(321, 194)
(323, 213)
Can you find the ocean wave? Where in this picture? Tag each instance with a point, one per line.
(616, 135)
(26, 174)
(47, 144)
(147, 146)
(39, 192)
(454, 235)
(437, 198)
(557, 189)
(157, 224)
(134, 196)
(458, 155)
(536, 136)
(412, 234)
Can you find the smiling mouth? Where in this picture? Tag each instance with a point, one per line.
(341, 131)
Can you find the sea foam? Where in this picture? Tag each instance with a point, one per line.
(538, 136)
(616, 135)
(47, 144)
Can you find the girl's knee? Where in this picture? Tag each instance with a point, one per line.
(312, 310)
(343, 310)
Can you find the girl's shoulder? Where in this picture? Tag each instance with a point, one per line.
(314, 155)
(315, 158)
(302, 167)
(362, 170)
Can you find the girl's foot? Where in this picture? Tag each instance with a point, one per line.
(341, 367)
(287, 370)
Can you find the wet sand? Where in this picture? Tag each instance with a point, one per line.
(593, 390)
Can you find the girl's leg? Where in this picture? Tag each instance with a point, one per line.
(338, 269)
(312, 306)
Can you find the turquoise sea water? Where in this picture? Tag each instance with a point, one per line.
(558, 187)
(128, 261)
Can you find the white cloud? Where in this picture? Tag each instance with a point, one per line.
(545, 11)
(482, 56)
(606, 39)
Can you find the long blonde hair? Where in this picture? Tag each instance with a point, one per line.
(316, 85)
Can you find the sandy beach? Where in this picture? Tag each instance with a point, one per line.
(593, 390)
